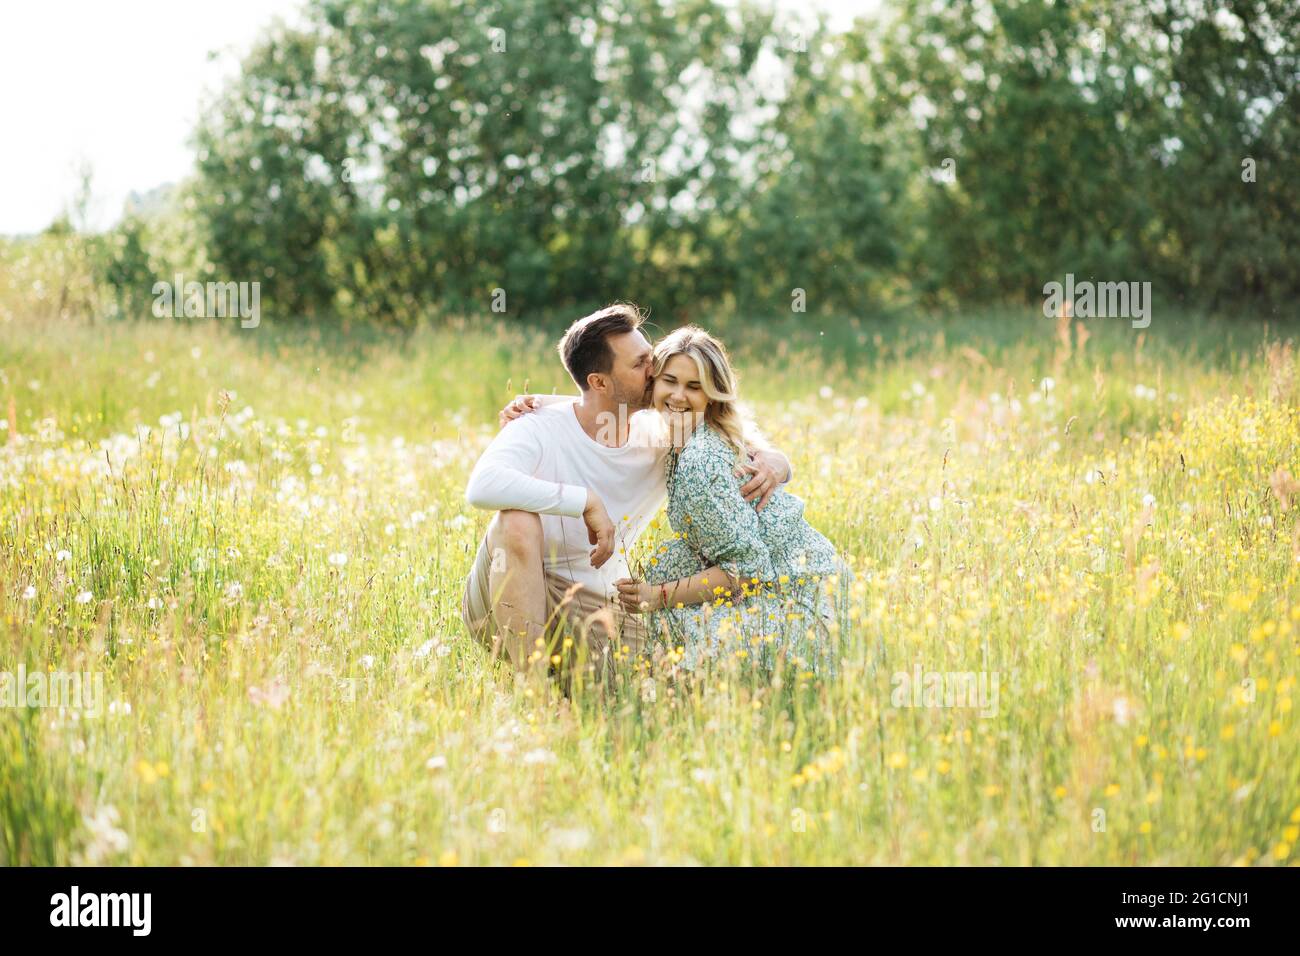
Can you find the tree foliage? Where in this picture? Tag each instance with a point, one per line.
(390, 157)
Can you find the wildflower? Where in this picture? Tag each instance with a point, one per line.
(107, 839)
(273, 695)
(85, 597)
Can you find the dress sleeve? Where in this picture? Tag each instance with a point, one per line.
(724, 527)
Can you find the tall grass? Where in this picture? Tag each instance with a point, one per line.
(260, 538)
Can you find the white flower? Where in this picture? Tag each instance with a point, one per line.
(825, 391)
(273, 695)
(85, 597)
(106, 838)
(62, 556)
(539, 756)
(338, 559)
(437, 762)
(1148, 501)
(315, 468)
(29, 592)
(458, 522)
(570, 839)
(1048, 384)
(936, 503)
(424, 649)
(234, 591)
(1120, 710)
(119, 707)
(368, 661)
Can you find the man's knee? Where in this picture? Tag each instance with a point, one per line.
(519, 533)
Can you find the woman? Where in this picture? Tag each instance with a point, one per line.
(731, 580)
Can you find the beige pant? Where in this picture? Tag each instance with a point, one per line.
(602, 631)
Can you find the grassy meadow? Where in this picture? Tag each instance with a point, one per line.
(259, 539)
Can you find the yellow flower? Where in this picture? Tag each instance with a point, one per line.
(1145, 827)
(1059, 792)
(1112, 790)
(896, 761)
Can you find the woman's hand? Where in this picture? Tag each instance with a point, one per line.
(522, 405)
(637, 597)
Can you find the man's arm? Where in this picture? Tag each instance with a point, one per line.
(769, 469)
(503, 480)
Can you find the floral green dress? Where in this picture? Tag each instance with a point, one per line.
(794, 582)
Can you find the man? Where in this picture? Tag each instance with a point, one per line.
(574, 483)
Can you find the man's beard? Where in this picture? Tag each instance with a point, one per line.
(636, 401)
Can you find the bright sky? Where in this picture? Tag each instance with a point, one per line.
(117, 84)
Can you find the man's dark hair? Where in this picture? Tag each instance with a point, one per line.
(584, 348)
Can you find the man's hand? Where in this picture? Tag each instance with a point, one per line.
(768, 470)
(522, 405)
(637, 597)
(600, 530)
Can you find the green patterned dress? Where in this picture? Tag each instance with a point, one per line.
(794, 583)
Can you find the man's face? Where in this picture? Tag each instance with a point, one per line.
(632, 374)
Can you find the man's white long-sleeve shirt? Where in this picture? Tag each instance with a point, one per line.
(544, 462)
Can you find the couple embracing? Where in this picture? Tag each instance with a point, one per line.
(575, 482)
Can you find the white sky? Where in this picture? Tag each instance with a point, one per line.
(117, 84)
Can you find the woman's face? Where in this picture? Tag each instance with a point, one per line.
(679, 396)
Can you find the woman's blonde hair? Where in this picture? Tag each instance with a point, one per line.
(717, 379)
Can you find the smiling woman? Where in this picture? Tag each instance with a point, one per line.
(735, 578)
